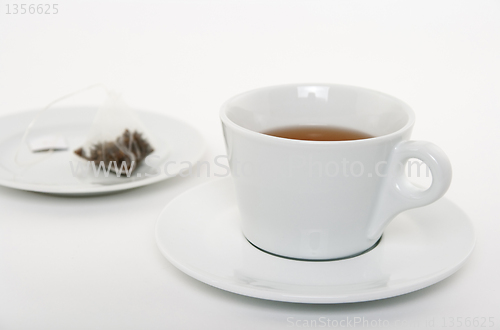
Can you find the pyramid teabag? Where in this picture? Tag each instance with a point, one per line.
(117, 140)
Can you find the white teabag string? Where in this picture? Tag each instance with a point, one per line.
(40, 113)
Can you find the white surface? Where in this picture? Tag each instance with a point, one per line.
(81, 263)
(64, 173)
(424, 246)
(305, 199)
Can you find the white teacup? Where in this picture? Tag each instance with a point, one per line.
(321, 200)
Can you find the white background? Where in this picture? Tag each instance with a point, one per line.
(92, 263)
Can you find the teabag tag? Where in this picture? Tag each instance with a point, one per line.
(117, 141)
(48, 142)
(33, 143)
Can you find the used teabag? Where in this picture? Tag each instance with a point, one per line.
(117, 141)
(112, 139)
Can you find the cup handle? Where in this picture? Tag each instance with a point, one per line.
(398, 194)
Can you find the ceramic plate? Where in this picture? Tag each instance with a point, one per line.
(419, 248)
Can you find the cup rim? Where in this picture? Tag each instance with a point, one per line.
(225, 119)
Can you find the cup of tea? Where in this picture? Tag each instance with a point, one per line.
(319, 169)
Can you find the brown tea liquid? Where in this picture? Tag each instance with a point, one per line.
(318, 133)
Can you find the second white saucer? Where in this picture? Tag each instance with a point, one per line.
(54, 175)
(419, 248)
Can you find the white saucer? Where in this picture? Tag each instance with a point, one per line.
(179, 141)
(199, 233)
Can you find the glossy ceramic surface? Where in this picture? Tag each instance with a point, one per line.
(419, 248)
(318, 200)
